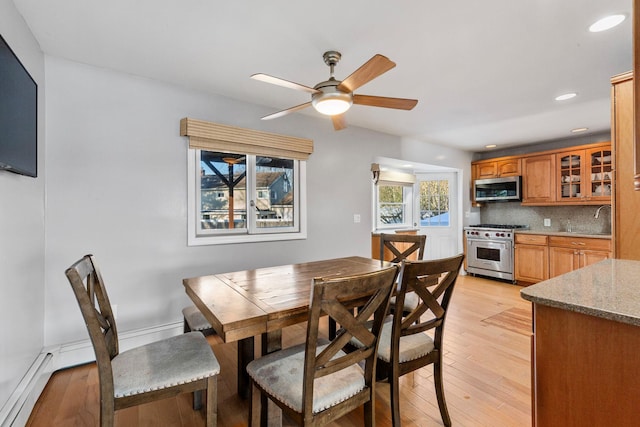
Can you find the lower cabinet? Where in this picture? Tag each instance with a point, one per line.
(568, 253)
(540, 257)
(531, 258)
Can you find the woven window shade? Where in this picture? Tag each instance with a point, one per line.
(229, 139)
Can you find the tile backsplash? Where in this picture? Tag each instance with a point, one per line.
(581, 217)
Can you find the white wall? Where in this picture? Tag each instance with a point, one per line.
(116, 187)
(21, 232)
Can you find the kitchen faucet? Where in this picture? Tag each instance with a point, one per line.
(597, 214)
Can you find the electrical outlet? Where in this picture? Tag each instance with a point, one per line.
(547, 222)
(356, 218)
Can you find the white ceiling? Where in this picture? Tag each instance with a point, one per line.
(483, 71)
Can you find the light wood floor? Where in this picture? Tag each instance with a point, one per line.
(486, 375)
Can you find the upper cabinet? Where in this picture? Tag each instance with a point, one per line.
(581, 175)
(539, 180)
(496, 168)
(585, 176)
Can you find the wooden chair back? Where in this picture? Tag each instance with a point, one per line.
(433, 281)
(402, 246)
(88, 287)
(334, 297)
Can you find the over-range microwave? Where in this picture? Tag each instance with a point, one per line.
(498, 189)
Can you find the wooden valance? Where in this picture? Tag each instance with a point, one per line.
(210, 136)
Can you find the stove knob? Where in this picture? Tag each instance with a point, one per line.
(486, 234)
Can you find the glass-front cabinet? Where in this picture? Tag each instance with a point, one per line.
(584, 176)
(571, 166)
(600, 173)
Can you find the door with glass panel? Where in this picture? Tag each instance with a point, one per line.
(436, 205)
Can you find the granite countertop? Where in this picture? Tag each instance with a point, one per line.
(608, 289)
(566, 234)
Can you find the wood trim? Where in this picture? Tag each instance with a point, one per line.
(636, 95)
(210, 136)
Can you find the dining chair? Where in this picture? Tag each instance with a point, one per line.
(154, 371)
(317, 382)
(194, 320)
(401, 246)
(404, 343)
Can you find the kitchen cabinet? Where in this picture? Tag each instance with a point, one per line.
(586, 342)
(539, 179)
(584, 176)
(568, 254)
(626, 204)
(581, 175)
(531, 264)
(497, 168)
(539, 257)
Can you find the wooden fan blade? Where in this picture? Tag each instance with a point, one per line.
(381, 101)
(287, 111)
(339, 122)
(282, 82)
(371, 69)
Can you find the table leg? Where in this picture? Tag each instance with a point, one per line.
(271, 341)
(245, 355)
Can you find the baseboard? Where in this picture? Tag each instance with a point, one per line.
(80, 352)
(16, 411)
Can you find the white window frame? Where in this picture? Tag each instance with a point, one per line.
(407, 198)
(251, 233)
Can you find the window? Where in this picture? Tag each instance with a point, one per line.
(434, 203)
(244, 186)
(393, 205)
(393, 195)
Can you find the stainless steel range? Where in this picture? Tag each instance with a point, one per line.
(490, 250)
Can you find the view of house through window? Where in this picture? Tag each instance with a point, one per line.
(226, 179)
(434, 203)
(392, 204)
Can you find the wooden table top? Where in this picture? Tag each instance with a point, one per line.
(244, 304)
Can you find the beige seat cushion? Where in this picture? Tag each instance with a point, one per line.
(411, 347)
(177, 360)
(281, 374)
(195, 319)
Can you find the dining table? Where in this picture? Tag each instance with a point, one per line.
(243, 305)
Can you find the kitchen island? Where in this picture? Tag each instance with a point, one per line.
(586, 346)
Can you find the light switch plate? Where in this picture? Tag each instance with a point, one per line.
(356, 218)
(547, 222)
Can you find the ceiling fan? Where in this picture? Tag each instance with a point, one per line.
(334, 97)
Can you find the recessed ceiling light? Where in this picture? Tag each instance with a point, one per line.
(606, 23)
(490, 146)
(407, 166)
(566, 96)
(576, 130)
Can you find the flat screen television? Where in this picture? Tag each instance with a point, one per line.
(18, 115)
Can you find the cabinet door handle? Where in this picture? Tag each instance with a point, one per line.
(578, 243)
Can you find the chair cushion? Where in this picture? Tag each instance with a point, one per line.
(411, 347)
(177, 360)
(281, 375)
(195, 319)
(411, 300)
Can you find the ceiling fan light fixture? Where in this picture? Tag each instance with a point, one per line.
(332, 103)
